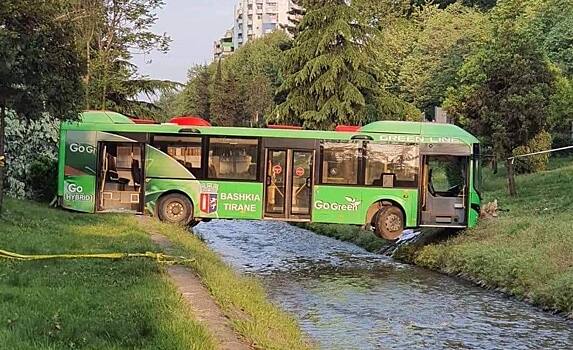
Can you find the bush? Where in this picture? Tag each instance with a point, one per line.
(533, 164)
(42, 179)
(27, 143)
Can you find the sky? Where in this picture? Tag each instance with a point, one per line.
(193, 25)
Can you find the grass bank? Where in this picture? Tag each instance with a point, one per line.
(348, 233)
(526, 252)
(242, 299)
(89, 304)
(127, 304)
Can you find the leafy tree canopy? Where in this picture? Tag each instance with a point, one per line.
(330, 76)
(505, 91)
(40, 68)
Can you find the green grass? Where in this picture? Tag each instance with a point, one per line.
(353, 234)
(87, 304)
(241, 298)
(527, 251)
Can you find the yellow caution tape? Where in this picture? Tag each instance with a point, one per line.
(159, 257)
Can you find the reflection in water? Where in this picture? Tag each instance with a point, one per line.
(347, 298)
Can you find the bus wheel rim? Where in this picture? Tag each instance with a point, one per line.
(393, 222)
(175, 210)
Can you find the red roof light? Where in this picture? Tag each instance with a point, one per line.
(190, 120)
(347, 128)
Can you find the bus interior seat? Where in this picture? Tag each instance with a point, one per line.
(112, 175)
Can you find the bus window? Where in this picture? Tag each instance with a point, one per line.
(400, 162)
(186, 150)
(234, 159)
(340, 163)
(446, 175)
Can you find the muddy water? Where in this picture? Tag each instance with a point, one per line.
(347, 298)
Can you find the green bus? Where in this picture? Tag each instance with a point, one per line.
(387, 175)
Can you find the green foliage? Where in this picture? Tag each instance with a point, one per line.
(226, 103)
(330, 75)
(240, 90)
(42, 179)
(29, 142)
(505, 91)
(40, 68)
(561, 112)
(533, 164)
(432, 65)
(108, 33)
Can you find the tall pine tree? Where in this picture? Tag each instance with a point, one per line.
(329, 76)
(226, 101)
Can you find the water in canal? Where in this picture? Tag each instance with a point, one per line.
(347, 298)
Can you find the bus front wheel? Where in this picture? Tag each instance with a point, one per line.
(389, 223)
(175, 208)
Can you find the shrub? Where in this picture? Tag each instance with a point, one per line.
(533, 164)
(42, 178)
(28, 142)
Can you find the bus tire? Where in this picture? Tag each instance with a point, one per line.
(175, 208)
(389, 223)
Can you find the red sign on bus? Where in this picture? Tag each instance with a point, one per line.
(277, 169)
(299, 171)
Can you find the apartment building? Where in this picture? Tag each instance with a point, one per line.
(224, 46)
(255, 18)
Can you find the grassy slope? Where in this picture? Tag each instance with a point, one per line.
(527, 251)
(242, 299)
(86, 304)
(131, 304)
(348, 233)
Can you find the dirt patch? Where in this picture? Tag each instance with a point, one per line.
(205, 309)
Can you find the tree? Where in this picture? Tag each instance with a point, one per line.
(40, 68)
(226, 103)
(431, 66)
(329, 75)
(259, 99)
(109, 32)
(506, 91)
(196, 97)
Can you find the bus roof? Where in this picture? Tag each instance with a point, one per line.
(399, 131)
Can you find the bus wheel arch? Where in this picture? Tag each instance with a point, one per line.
(175, 207)
(388, 219)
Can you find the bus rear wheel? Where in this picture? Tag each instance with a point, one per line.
(389, 223)
(175, 208)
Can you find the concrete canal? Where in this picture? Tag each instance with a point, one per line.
(347, 298)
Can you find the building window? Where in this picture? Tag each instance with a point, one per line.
(392, 165)
(231, 158)
(186, 150)
(340, 163)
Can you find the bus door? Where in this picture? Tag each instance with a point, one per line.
(444, 191)
(288, 183)
(120, 176)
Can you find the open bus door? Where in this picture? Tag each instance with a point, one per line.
(444, 191)
(120, 177)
